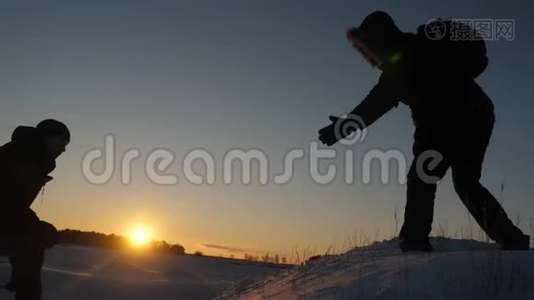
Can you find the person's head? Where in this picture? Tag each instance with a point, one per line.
(55, 134)
(376, 38)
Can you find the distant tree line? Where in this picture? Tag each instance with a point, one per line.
(112, 241)
(266, 258)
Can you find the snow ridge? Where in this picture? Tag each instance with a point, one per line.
(458, 269)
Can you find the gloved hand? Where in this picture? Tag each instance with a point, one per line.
(338, 130)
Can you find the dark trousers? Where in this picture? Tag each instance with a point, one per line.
(462, 150)
(26, 255)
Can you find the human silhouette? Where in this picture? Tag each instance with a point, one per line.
(25, 164)
(432, 72)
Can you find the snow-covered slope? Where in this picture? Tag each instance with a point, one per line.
(84, 273)
(459, 269)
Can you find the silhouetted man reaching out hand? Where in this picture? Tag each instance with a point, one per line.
(434, 75)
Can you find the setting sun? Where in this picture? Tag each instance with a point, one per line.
(140, 236)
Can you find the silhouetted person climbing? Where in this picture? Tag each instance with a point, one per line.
(432, 73)
(25, 163)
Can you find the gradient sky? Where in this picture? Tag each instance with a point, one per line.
(221, 75)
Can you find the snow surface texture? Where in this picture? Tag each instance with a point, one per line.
(84, 273)
(459, 269)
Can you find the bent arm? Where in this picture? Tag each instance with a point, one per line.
(21, 182)
(383, 97)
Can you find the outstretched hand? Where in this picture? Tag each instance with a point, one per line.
(338, 130)
(327, 135)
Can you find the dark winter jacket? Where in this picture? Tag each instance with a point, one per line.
(442, 97)
(24, 167)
